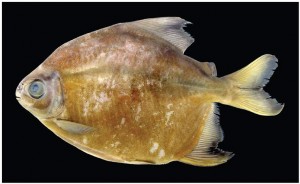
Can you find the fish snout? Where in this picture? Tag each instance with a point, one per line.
(19, 90)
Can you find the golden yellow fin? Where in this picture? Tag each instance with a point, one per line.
(208, 162)
(206, 152)
(247, 85)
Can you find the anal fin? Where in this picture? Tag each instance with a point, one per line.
(213, 159)
(206, 152)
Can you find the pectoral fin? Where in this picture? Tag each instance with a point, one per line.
(73, 127)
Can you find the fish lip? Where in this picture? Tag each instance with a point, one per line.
(18, 98)
(18, 94)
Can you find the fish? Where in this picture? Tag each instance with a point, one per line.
(127, 93)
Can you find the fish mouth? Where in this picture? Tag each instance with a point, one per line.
(18, 98)
(18, 95)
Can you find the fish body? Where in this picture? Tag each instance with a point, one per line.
(128, 94)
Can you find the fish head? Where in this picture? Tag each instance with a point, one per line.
(41, 93)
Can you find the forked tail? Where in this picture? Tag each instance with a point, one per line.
(247, 84)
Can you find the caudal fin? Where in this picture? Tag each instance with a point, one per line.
(248, 86)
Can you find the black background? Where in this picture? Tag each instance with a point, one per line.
(229, 34)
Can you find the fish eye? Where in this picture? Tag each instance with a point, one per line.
(36, 89)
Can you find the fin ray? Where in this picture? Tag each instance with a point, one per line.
(248, 83)
(206, 152)
(168, 28)
(257, 73)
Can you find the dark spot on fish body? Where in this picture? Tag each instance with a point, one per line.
(155, 90)
(135, 95)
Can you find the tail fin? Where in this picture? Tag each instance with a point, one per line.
(248, 83)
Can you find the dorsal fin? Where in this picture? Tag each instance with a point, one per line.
(206, 152)
(168, 28)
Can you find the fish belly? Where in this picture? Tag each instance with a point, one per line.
(138, 119)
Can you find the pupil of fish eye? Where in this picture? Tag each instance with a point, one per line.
(36, 89)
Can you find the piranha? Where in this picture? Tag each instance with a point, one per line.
(128, 94)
